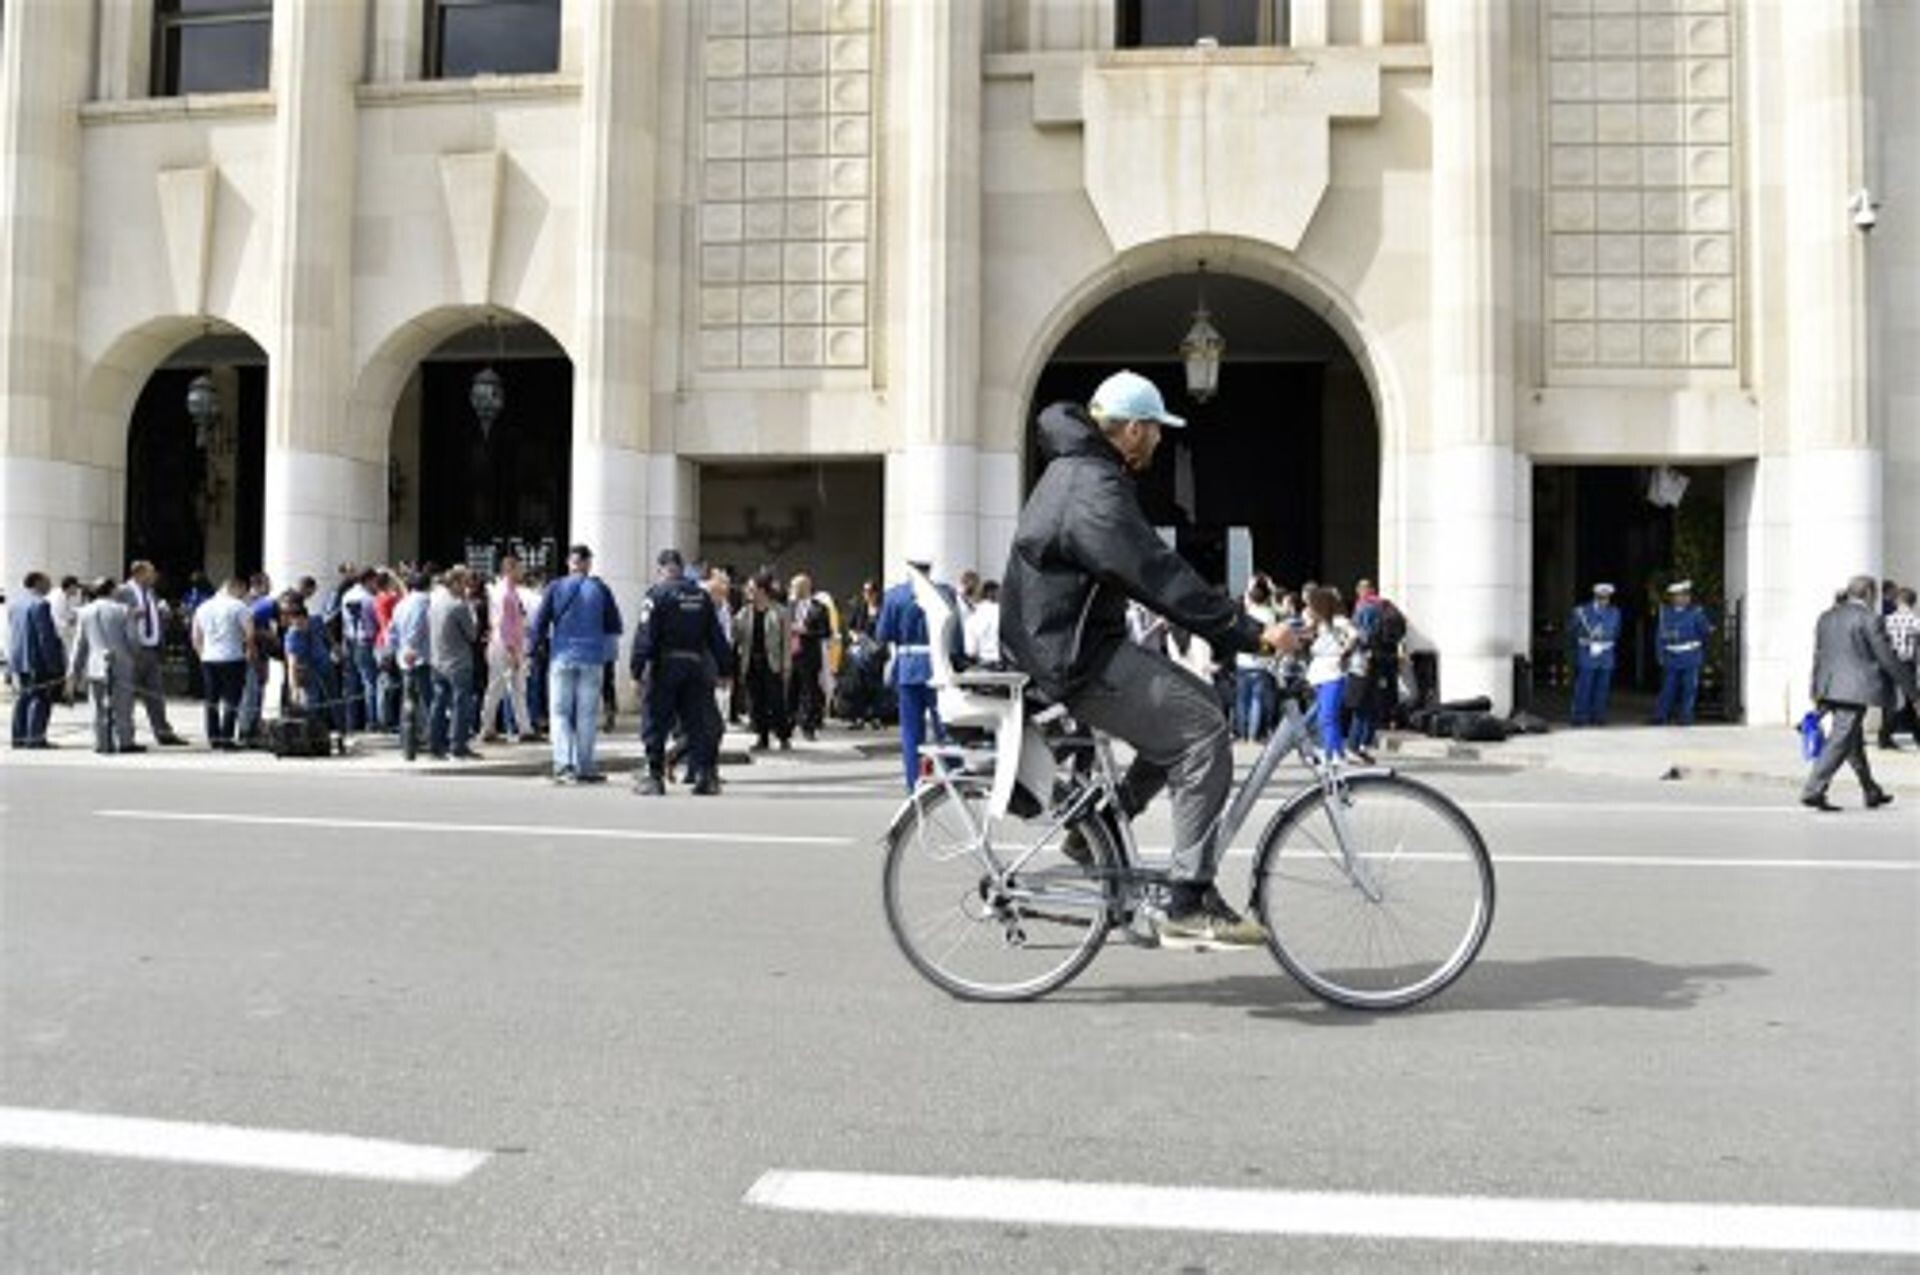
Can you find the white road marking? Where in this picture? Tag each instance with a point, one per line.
(1472, 1219)
(1160, 856)
(232, 1147)
(502, 829)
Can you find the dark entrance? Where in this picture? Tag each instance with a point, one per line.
(195, 492)
(510, 482)
(1288, 449)
(1597, 522)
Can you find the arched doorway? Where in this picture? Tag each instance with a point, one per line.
(196, 461)
(460, 488)
(1280, 470)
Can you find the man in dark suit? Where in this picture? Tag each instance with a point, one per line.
(1853, 669)
(37, 659)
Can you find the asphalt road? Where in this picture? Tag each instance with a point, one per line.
(636, 1010)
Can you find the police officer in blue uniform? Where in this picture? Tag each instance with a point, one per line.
(1681, 647)
(1596, 634)
(678, 653)
(902, 625)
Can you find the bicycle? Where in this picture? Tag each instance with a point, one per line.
(987, 902)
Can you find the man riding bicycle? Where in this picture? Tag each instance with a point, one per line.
(1083, 547)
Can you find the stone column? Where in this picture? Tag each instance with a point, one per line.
(1472, 531)
(620, 490)
(934, 482)
(324, 503)
(1837, 502)
(59, 505)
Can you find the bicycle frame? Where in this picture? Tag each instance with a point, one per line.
(1293, 735)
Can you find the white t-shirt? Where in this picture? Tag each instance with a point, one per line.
(983, 633)
(1326, 663)
(222, 622)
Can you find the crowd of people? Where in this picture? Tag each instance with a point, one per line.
(442, 660)
(1351, 659)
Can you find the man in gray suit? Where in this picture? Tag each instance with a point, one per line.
(104, 653)
(149, 635)
(1854, 668)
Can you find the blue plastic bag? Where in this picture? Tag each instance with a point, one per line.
(1813, 740)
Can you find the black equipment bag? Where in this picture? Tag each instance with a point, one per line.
(1481, 728)
(297, 736)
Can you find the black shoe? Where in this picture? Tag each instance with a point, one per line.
(467, 754)
(131, 748)
(649, 785)
(786, 745)
(171, 740)
(1819, 803)
(592, 777)
(1879, 798)
(707, 786)
(759, 746)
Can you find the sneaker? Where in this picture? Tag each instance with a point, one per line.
(1207, 925)
(565, 776)
(1076, 847)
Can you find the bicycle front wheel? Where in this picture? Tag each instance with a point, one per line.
(1377, 899)
(993, 909)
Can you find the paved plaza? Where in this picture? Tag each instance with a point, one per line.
(559, 1029)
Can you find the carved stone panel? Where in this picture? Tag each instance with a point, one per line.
(786, 183)
(1641, 204)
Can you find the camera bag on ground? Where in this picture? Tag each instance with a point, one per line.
(297, 736)
(1482, 728)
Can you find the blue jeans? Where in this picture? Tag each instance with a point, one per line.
(1327, 695)
(573, 710)
(1679, 684)
(452, 712)
(1590, 687)
(363, 681)
(32, 706)
(1254, 709)
(916, 706)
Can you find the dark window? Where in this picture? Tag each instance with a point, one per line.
(492, 37)
(211, 46)
(1178, 23)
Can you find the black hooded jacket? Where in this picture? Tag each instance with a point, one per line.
(1082, 548)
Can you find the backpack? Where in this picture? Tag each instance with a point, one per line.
(1390, 629)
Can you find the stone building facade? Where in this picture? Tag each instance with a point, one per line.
(808, 263)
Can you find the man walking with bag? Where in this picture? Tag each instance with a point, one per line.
(1853, 669)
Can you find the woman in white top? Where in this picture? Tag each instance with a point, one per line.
(1334, 640)
(1255, 693)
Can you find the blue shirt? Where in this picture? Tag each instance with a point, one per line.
(903, 625)
(579, 619)
(408, 632)
(1682, 637)
(1596, 632)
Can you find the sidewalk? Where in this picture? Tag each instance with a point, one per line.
(1767, 755)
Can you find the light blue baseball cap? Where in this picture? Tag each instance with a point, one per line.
(1129, 396)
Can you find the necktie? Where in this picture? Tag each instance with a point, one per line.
(149, 621)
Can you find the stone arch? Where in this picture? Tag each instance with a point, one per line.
(1283, 271)
(112, 383)
(382, 377)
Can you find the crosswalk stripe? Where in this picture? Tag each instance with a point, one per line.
(1470, 1219)
(233, 1147)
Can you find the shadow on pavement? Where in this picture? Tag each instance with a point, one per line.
(1491, 986)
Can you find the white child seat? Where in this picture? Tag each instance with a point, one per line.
(986, 698)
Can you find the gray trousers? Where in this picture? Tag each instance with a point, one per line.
(1180, 741)
(112, 711)
(1846, 743)
(148, 691)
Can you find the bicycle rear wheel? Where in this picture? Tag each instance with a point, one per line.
(1396, 918)
(992, 909)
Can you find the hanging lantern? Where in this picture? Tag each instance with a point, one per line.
(1202, 349)
(203, 409)
(488, 397)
